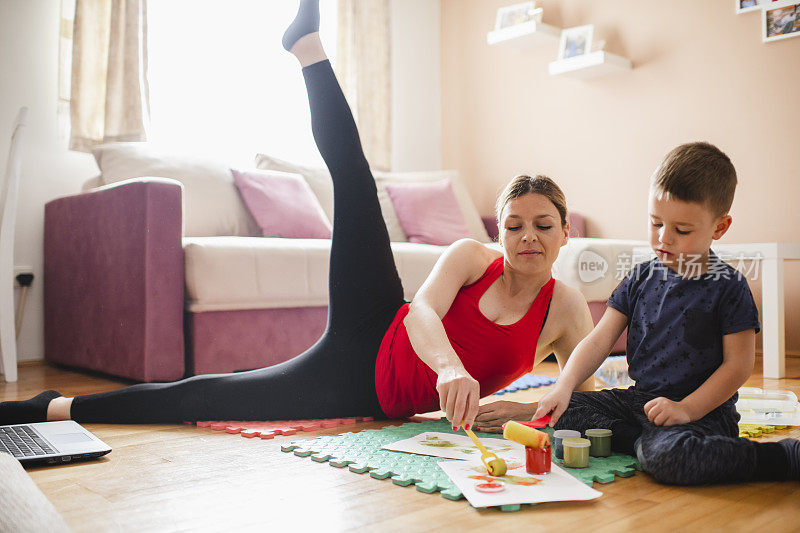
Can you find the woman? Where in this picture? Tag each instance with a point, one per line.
(470, 331)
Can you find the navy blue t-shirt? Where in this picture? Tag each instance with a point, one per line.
(676, 324)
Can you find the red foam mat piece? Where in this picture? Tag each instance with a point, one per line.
(269, 429)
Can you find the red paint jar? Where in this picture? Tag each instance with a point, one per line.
(537, 460)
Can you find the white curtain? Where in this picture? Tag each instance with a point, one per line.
(108, 89)
(364, 69)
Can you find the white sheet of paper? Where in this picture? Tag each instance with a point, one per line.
(557, 486)
(450, 446)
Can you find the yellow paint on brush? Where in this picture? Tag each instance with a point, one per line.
(524, 435)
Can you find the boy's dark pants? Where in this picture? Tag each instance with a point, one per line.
(708, 450)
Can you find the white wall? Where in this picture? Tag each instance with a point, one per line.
(416, 85)
(29, 63)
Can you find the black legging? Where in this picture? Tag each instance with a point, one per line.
(336, 376)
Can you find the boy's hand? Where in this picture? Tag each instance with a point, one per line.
(492, 416)
(664, 412)
(458, 396)
(554, 403)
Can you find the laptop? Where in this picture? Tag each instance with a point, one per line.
(50, 443)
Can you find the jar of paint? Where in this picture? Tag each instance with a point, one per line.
(537, 460)
(559, 436)
(576, 452)
(601, 442)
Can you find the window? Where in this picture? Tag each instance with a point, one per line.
(222, 86)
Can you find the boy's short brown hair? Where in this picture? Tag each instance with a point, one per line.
(697, 172)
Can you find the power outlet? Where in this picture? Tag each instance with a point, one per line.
(21, 270)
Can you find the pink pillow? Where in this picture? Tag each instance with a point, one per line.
(428, 212)
(282, 204)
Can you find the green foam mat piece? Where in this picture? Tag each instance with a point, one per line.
(361, 453)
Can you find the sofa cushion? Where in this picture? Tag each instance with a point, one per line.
(225, 273)
(212, 205)
(320, 182)
(468, 210)
(428, 212)
(282, 204)
(317, 178)
(265, 273)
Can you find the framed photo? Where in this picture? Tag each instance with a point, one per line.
(780, 20)
(517, 14)
(575, 41)
(743, 6)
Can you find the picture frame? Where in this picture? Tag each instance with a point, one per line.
(517, 14)
(780, 20)
(575, 41)
(745, 6)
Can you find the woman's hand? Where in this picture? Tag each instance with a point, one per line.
(554, 403)
(458, 396)
(492, 416)
(664, 412)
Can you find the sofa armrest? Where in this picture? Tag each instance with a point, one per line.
(113, 268)
(595, 266)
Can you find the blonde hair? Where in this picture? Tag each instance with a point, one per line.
(697, 172)
(539, 184)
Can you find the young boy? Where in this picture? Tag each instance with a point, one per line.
(691, 342)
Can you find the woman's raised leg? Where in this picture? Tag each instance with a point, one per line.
(363, 278)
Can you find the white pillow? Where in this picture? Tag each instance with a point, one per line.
(320, 182)
(212, 205)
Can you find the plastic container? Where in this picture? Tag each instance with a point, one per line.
(757, 406)
(559, 436)
(576, 453)
(537, 460)
(775, 401)
(614, 372)
(600, 440)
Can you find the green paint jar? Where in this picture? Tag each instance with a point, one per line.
(576, 452)
(601, 442)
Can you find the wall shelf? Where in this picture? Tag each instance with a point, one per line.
(589, 65)
(525, 36)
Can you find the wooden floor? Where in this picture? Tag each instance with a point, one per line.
(166, 478)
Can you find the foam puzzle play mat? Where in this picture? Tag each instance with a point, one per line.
(433, 458)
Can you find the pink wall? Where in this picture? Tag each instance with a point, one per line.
(700, 72)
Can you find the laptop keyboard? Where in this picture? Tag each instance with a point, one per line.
(23, 441)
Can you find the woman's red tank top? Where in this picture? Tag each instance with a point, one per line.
(495, 355)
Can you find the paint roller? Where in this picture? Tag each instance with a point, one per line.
(525, 435)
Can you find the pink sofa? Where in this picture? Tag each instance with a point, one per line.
(114, 294)
(153, 279)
